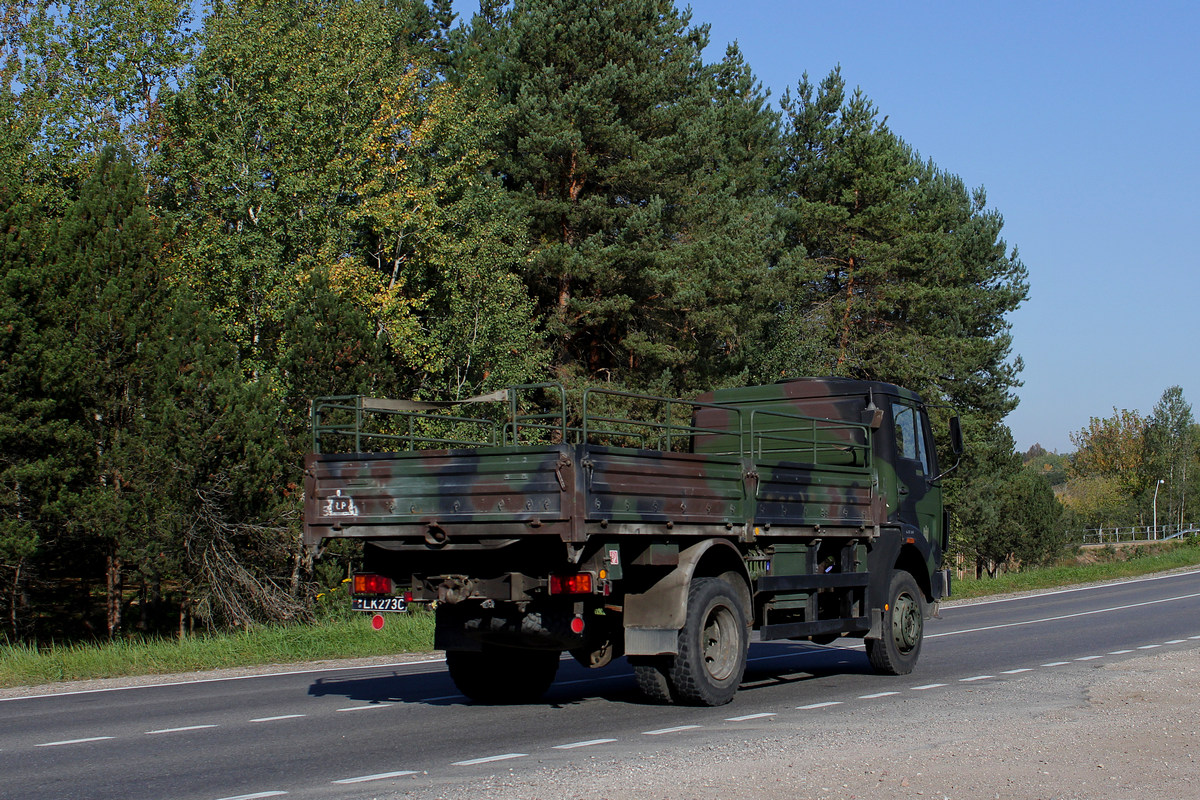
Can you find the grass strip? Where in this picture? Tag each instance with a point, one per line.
(351, 635)
(1112, 564)
(29, 665)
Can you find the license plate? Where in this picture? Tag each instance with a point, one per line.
(340, 506)
(394, 604)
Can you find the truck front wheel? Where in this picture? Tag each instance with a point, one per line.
(499, 675)
(712, 650)
(895, 653)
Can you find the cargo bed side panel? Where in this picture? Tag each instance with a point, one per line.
(632, 486)
(804, 495)
(357, 495)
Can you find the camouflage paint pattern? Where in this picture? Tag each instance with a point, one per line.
(803, 477)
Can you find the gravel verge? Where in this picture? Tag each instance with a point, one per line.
(1125, 729)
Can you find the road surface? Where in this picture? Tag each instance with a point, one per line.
(403, 730)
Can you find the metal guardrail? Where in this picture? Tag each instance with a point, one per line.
(1139, 533)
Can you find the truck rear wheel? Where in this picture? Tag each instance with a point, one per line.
(501, 675)
(895, 653)
(712, 650)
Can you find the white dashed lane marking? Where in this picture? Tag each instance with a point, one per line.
(367, 708)
(975, 678)
(73, 741)
(876, 695)
(676, 729)
(276, 719)
(381, 776)
(470, 762)
(928, 686)
(588, 743)
(748, 717)
(826, 704)
(180, 730)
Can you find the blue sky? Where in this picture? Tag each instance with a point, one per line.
(1082, 121)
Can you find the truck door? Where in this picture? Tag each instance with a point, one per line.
(919, 501)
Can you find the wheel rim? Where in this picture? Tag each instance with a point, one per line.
(907, 623)
(720, 643)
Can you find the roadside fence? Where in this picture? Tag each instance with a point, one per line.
(1142, 533)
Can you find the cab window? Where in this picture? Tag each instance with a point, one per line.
(910, 440)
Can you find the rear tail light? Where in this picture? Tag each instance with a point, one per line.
(580, 583)
(369, 583)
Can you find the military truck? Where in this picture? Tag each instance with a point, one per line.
(621, 524)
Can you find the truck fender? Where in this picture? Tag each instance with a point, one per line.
(653, 617)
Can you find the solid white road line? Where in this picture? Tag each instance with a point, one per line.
(1076, 589)
(1064, 616)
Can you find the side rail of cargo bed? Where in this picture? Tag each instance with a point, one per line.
(544, 414)
(676, 468)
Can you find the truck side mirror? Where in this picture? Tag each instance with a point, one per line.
(956, 440)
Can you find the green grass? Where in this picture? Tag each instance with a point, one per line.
(26, 665)
(1110, 564)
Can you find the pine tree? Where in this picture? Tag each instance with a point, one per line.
(178, 465)
(617, 149)
(42, 447)
(108, 290)
(903, 276)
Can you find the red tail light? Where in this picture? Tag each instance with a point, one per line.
(580, 583)
(369, 583)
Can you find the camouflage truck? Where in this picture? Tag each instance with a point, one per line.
(666, 531)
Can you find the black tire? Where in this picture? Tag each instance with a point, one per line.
(712, 645)
(653, 677)
(502, 675)
(903, 627)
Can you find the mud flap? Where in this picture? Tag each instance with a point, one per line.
(876, 630)
(651, 641)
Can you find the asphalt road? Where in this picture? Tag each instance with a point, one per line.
(391, 730)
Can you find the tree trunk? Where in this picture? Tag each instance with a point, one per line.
(113, 592)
